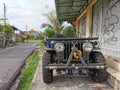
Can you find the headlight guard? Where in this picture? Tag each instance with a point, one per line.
(59, 47)
(88, 47)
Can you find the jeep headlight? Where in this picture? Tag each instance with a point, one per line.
(59, 47)
(88, 47)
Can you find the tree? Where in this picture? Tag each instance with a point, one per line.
(8, 31)
(53, 22)
(49, 32)
(1, 28)
(69, 31)
(46, 25)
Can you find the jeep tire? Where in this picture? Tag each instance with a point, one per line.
(47, 73)
(98, 75)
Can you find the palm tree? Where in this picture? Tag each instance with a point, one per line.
(53, 22)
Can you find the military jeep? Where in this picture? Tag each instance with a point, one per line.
(73, 56)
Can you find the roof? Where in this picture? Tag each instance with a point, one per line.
(15, 28)
(31, 30)
(68, 10)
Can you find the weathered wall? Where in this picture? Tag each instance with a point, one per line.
(106, 25)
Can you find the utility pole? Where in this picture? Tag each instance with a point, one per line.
(4, 14)
(4, 19)
(26, 32)
(26, 28)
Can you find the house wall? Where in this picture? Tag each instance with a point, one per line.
(106, 26)
(103, 21)
(88, 13)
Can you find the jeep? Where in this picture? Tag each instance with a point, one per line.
(73, 56)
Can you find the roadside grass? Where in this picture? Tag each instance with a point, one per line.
(42, 45)
(32, 40)
(1, 49)
(29, 71)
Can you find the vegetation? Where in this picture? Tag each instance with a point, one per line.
(29, 71)
(49, 32)
(54, 23)
(1, 28)
(7, 32)
(32, 40)
(33, 37)
(54, 28)
(69, 32)
(7, 29)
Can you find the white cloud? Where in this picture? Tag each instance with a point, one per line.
(30, 12)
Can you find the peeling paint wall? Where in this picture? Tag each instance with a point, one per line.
(82, 27)
(97, 17)
(106, 26)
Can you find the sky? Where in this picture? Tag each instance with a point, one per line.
(26, 12)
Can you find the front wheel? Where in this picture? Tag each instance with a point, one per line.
(98, 75)
(47, 73)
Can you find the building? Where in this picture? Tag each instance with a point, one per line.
(17, 34)
(96, 18)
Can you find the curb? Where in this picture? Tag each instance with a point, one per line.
(35, 75)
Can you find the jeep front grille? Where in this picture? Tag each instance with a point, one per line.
(68, 48)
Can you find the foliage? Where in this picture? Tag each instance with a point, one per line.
(29, 71)
(46, 25)
(39, 36)
(33, 41)
(49, 32)
(1, 28)
(69, 31)
(53, 22)
(8, 31)
(30, 36)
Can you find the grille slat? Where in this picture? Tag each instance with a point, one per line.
(68, 46)
(66, 50)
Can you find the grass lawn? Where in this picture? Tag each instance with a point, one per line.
(29, 71)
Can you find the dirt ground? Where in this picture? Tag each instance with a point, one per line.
(63, 82)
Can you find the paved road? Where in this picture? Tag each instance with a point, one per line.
(62, 82)
(12, 60)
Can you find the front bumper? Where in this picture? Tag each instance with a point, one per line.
(78, 66)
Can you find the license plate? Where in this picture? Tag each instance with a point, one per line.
(75, 72)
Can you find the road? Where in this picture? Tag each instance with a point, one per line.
(12, 60)
(62, 82)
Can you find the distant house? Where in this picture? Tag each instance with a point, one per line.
(33, 33)
(17, 33)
